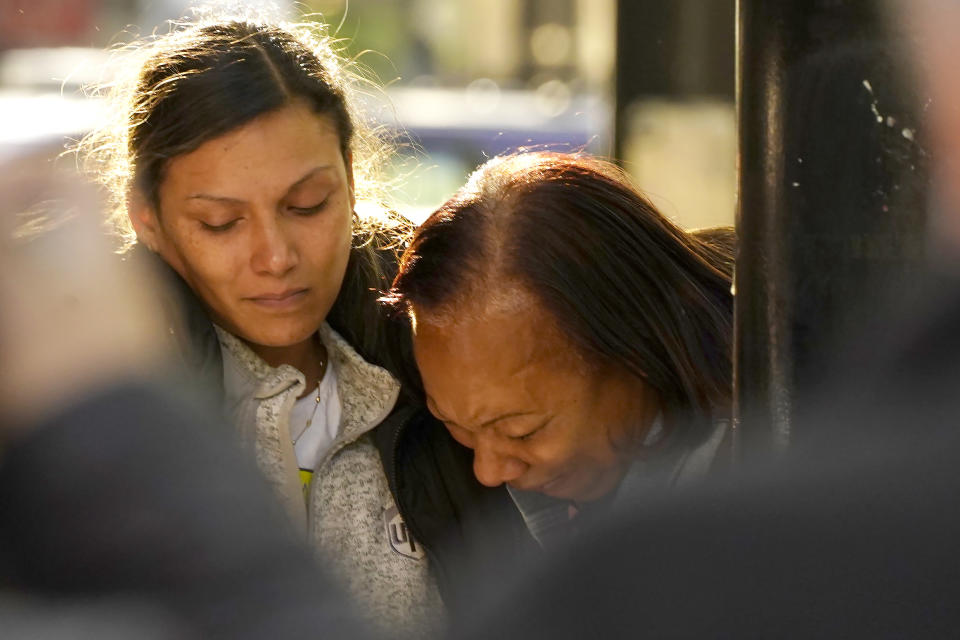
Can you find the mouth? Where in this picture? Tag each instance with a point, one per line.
(279, 300)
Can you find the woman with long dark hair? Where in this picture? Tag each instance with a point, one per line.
(569, 334)
(235, 163)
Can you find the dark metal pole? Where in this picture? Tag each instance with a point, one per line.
(762, 361)
(832, 184)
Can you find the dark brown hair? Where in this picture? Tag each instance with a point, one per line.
(624, 284)
(206, 79)
(221, 78)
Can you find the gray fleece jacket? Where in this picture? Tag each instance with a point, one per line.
(350, 515)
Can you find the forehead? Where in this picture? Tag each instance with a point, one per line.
(493, 356)
(272, 150)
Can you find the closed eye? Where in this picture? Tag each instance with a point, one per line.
(530, 434)
(309, 211)
(219, 228)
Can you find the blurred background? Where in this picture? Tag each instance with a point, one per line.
(649, 83)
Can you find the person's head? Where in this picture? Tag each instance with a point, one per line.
(557, 313)
(234, 162)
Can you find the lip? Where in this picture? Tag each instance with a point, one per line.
(279, 300)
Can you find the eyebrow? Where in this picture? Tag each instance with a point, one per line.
(514, 414)
(306, 176)
(207, 196)
(439, 414)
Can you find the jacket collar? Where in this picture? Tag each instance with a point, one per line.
(367, 392)
(250, 375)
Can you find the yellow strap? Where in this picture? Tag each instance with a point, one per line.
(306, 476)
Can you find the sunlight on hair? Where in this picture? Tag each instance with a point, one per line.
(105, 153)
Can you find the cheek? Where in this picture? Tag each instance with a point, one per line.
(554, 450)
(605, 445)
(606, 416)
(326, 241)
(580, 444)
(209, 265)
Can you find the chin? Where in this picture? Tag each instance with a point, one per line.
(280, 336)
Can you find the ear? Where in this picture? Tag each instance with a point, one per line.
(143, 218)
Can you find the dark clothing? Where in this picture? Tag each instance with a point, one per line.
(133, 496)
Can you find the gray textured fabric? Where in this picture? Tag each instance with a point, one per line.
(350, 515)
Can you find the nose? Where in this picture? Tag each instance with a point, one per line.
(492, 467)
(274, 248)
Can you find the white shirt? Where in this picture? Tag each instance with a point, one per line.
(311, 444)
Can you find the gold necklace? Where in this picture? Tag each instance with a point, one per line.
(313, 414)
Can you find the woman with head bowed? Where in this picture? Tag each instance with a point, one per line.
(570, 335)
